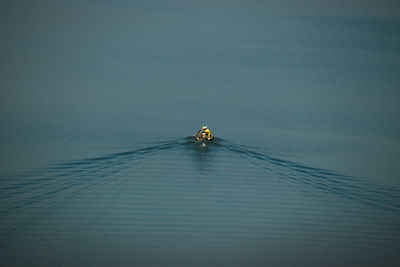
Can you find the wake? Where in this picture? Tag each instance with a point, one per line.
(31, 196)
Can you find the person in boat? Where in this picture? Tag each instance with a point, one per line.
(204, 134)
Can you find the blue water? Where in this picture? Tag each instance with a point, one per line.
(177, 202)
(99, 101)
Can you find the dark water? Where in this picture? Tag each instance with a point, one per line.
(182, 203)
(97, 100)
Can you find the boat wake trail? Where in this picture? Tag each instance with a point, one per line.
(322, 179)
(27, 198)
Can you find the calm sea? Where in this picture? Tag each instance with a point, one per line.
(99, 101)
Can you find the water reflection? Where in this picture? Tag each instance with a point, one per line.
(203, 154)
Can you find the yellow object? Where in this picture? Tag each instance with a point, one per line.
(208, 132)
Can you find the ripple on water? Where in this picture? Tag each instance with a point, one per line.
(178, 201)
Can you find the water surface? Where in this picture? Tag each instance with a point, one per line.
(179, 202)
(97, 100)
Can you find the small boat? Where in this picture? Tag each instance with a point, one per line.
(203, 139)
(204, 135)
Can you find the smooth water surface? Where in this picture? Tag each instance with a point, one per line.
(99, 99)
